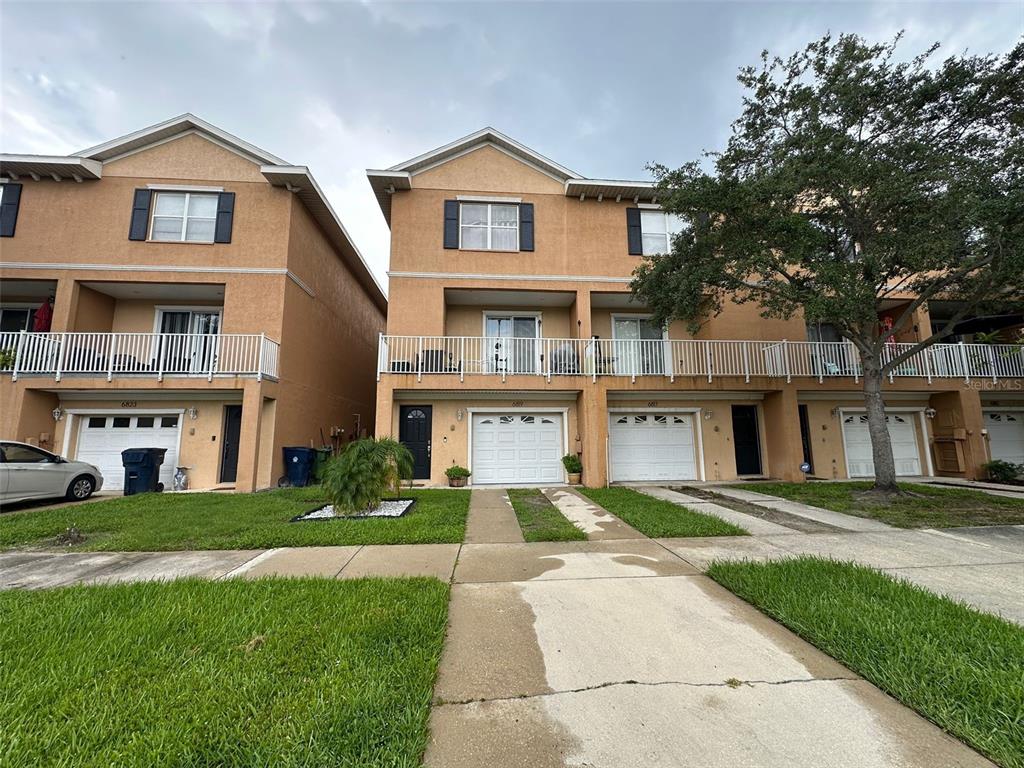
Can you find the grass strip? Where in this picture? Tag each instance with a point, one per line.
(282, 672)
(539, 519)
(927, 506)
(960, 668)
(657, 518)
(154, 522)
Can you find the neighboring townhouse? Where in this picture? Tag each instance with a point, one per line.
(513, 339)
(180, 288)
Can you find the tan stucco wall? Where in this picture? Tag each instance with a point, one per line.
(469, 321)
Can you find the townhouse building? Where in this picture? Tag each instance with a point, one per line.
(513, 339)
(181, 288)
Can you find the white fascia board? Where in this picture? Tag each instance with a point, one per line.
(186, 121)
(484, 135)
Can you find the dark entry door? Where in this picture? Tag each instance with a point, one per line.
(746, 440)
(229, 443)
(414, 434)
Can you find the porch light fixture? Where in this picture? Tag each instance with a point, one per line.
(458, 415)
(57, 413)
(193, 413)
(930, 412)
(708, 414)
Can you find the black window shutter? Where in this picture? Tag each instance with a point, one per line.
(526, 227)
(11, 199)
(451, 223)
(225, 216)
(140, 215)
(633, 232)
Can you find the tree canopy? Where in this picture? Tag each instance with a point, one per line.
(851, 178)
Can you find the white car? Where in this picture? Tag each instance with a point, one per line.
(28, 472)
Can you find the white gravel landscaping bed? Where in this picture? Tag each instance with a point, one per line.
(387, 508)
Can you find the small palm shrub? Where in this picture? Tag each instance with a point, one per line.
(572, 464)
(365, 472)
(1003, 471)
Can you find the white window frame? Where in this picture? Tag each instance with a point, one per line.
(489, 226)
(184, 216)
(646, 210)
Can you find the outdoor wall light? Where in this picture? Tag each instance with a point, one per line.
(57, 413)
(834, 412)
(458, 415)
(930, 412)
(708, 415)
(193, 413)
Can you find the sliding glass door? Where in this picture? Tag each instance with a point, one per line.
(511, 344)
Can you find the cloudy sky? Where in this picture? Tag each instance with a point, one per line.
(601, 87)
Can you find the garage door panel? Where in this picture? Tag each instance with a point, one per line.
(1005, 435)
(902, 436)
(101, 443)
(652, 447)
(529, 449)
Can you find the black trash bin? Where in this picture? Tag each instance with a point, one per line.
(142, 469)
(323, 455)
(298, 465)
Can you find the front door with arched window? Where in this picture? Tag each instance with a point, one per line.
(414, 434)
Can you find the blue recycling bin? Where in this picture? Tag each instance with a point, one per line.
(142, 470)
(298, 465)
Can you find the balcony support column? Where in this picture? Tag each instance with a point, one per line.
(958, 415)
(384, 423)
(782, 435)
(249, 437)
(592, 425)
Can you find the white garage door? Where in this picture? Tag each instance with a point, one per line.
(1006, 435)
(516, 448)
(902, 434)
(652, 446)
(102, 438)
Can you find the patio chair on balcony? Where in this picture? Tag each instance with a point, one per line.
(565, 361)
(437, 361)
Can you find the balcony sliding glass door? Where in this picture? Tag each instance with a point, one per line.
(638, 345)
(193, 348)
(510, 344)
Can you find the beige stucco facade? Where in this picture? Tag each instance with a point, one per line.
(575, 281)
(287, 280)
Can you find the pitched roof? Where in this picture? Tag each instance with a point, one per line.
(173, 128)
(385, 182)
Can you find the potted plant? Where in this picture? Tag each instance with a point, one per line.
(573, 467)
(457, 476)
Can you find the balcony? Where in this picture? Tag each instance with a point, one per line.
(138, 355)
(507, 356)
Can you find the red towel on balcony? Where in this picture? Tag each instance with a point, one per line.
(44, 316)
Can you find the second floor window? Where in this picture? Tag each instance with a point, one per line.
(488, 227)
(184, 217)
(658, 228)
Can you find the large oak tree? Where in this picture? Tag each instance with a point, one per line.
(851, 179)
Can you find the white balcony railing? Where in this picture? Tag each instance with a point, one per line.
(474, 355)
(152, 355)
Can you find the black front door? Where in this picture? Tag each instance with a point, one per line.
(414, 434)
(229, 443)
(746, 440)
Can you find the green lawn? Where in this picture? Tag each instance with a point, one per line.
(657, 518)
(192, 673)
(960, 668)
(928, 506)
(155, 522)
(539, 519)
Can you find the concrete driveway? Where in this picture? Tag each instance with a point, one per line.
(620, 653)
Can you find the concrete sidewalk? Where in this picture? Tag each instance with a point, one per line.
(619, 653)
(43, 569)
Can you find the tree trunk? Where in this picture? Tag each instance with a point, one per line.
(878, 429)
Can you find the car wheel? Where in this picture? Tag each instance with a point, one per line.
(81, 488)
